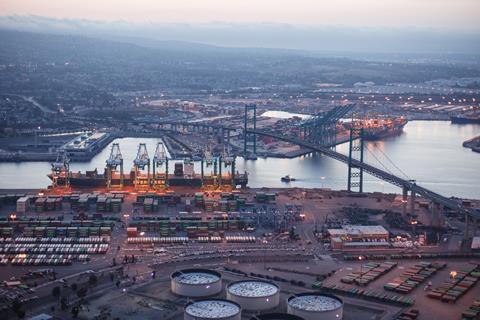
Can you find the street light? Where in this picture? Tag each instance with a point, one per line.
(360, 258)
(323, 179)
(126, 216)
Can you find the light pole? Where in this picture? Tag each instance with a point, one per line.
(36, 136)
(360, 258)
(126, 216)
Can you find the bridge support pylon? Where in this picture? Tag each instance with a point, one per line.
(247, 136)
(404, 201)
(355, 172)
(466, 233)
(412, 202)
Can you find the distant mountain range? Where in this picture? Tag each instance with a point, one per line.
(325, 40)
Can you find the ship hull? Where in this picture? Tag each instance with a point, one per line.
(372, 136)
(465, 120)
(101, 182)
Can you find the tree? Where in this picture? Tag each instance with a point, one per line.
(56, 292)
(63, 304)
(81, 293)
(92, 280)
(292, 233)
(75, 311)
(18, 307)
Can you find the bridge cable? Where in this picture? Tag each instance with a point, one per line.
(393, 164)
(379, 162)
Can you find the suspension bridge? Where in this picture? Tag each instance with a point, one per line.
(376, 172)
(322, 125)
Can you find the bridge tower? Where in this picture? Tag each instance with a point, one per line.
(246, 136)
(113, 162)
(355, 153)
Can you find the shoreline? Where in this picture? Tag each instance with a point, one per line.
(175, 145)
(473, 144)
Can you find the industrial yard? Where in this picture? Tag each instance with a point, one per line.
(244, 246)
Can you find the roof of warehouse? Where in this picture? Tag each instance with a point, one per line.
(358, 230)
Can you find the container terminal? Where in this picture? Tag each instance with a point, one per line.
(158, 248)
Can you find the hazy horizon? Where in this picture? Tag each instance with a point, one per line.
(263, 35)
(452, 15)
(383, 26)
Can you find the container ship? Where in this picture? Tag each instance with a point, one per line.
(466, 118)
(377, 129)
(93, 179)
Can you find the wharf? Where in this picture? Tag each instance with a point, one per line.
(20, 156)
(473, 144)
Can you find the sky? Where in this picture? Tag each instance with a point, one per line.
(451, 15)
(381, 26)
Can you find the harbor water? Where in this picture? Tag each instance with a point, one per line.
(430, 152)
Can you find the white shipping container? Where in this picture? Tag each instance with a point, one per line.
(23, 204)
(188, 169)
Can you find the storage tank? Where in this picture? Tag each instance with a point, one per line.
(315, 306)
(254, 295)
(276, 316)
(195, 283)
(212, 309)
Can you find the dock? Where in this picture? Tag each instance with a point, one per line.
(473, 144)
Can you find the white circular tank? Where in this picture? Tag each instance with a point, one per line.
(194, 283)
(213, 309)
(315, 306)
(254, 295)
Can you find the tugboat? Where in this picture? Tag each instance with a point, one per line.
(287, 178)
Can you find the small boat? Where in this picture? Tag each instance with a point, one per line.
(287, 178)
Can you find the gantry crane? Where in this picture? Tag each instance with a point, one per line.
(321, 128)
(159, 159)
(207, 155)
(228, 160)
(141, 161)
(113, 162)
(61, 170)
(208, 160)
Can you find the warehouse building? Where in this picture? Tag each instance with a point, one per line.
(352, 237)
